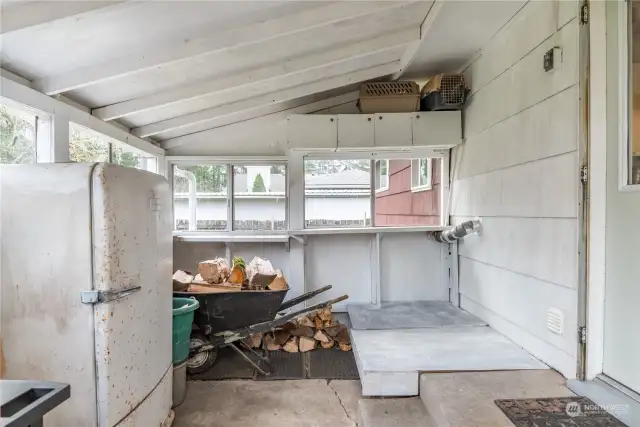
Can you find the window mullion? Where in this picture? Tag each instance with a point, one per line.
(230, 201)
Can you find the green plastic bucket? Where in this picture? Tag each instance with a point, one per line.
(183, 309)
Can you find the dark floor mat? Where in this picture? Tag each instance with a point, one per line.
(333, 364)
(557, 412)
(285, 366)
(229, 366)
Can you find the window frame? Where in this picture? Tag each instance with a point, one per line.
(625, 64)
(230, 162)
(379, 175)
(299, 156)
(38, 118)
(422, 187)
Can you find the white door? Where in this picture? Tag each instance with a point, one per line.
(622, 294)
(132, 248)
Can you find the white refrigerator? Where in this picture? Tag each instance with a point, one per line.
(86, 263)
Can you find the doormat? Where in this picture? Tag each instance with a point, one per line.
(557, 412)
(331, 364)
(229, 366)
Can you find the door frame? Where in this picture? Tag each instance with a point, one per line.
(598, 123)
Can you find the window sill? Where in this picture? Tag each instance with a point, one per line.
(421, 188)
(368, 230)
(224, 237)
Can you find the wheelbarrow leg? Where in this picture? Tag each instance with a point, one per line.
(255, 353)
(248, 359)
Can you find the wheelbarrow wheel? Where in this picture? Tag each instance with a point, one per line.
(203, 361)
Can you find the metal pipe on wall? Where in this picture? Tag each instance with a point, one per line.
(456, 233)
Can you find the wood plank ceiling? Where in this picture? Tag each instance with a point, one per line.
(165, 69)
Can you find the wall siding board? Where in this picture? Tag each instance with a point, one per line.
(540, 348)
(412, 268)
(534, 134)
(543, 248)
(533, 25)
(525, 84)
(521, 300)
(517, 171)
(545, 188)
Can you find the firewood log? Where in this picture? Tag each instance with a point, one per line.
(305, 321)
(181, 281)
(237, 275)
(281, 336)
(291, 346)
(214, 271)
(333, 331)
(321, 336)
(343, 337)
(270, 342)
(325, 314)
(318, 323)
(344, 347)
(306, 344)
(260, 273)
(329, 344)
(302, 331)
(253, 340)
(279, 283)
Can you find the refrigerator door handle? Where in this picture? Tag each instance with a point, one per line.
(97, 297)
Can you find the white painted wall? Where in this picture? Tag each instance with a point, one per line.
(518, 171)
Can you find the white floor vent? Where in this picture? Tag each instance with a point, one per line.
(555, 321)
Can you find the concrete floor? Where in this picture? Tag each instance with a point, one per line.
(302, 403)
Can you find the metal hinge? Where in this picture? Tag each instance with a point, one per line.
(97, 297)
(582, 335)
(584, 13)
(584, 174)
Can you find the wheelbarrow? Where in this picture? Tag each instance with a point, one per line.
(226, 319)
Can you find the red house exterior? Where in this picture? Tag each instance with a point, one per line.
(399, 205)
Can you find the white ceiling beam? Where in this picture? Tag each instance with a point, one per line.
(278, 113)
(20, 15)
(205, 116)
(40, 102)
(254, 80)
(214, 42)
(414, 47)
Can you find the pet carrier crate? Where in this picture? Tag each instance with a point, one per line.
(389, 97)
(444, 92)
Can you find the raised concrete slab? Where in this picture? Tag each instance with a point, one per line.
(619, 404)
(389, 361)
(393, 413)
(404, 315)
(466, 399)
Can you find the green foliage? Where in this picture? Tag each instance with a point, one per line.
(322, 167)
(17, 138)
(258, 185)
(85, 147)
(239, 261)
(209, 179)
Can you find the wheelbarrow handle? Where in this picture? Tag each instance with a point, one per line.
(303, 297)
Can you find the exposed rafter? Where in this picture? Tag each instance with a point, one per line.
(213, 42)
(414, 47)
(262, 118)
(253, 81)
(202, 117)
(20, 15)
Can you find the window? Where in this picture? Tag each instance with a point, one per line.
(88, 146)
(259, 197)
(17, 136)
(257, 202)
(337, 193)
(382, 175)
(420, 174)
(200, 197)
(633, 146)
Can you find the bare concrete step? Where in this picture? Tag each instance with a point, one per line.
(402, 412)
(466, 399)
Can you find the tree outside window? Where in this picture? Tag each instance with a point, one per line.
(17, 136)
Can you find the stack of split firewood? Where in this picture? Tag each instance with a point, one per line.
(316, 330)
(216, 276)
